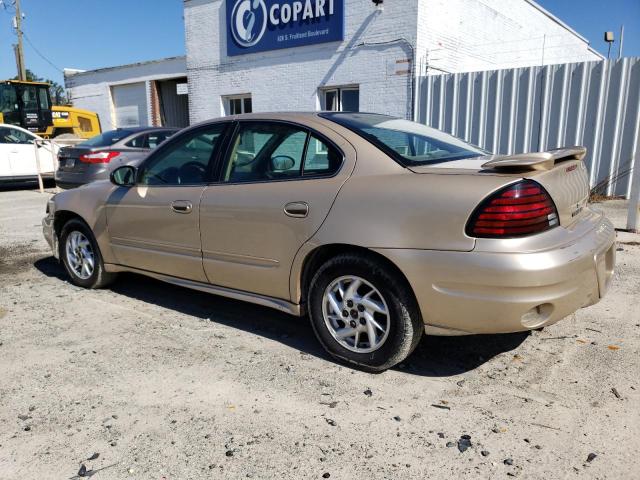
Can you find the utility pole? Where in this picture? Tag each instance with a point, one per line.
(17, 23)
(621, 42)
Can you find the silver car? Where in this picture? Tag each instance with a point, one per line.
(96, 158)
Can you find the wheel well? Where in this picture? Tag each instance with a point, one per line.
(321, 254)
(63, 217)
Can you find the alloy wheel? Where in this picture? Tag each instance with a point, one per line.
(356, 314)
(80, 256)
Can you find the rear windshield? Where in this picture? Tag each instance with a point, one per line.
(106, 139)
(409, 143)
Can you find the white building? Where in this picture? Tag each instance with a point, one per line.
(146, 93)
(269, 55)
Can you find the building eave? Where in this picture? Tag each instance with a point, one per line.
(129, 65)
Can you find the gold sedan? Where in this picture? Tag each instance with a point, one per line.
(379, 228)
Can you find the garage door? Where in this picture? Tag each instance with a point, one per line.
(130, 105)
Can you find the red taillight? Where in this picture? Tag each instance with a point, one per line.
(523, 208)
(98, 157)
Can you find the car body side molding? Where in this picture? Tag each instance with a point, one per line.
(271, 302)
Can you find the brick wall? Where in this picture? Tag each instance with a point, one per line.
(289, 79)
(452, 35)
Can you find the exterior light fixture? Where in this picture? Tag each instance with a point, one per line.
(608, 37)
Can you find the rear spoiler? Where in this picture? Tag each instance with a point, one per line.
(536, 160)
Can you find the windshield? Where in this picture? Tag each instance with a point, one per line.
(409, 143)
(106, 139)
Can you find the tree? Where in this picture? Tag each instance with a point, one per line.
(57, 91)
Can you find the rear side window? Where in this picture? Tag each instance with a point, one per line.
(149, 140)
(156, 138)
(320, 158)
(43, 97)
(138, 142)
(266, 151)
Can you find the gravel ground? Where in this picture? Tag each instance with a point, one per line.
(147, 380)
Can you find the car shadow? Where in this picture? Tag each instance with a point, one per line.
(434, 356)
(28, 185)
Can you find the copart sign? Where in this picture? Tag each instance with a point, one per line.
(261, 25)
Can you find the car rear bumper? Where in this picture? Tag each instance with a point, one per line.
(70, 179)
(498, 292)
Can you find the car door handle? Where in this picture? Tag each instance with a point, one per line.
(296, 209)
(182, 206)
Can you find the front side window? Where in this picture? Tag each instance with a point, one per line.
(271, 151)
(409, 143)
(186, 160)
(15, 136)
(8, 99)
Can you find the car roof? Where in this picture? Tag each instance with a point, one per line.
(292, 116)
(133, 132)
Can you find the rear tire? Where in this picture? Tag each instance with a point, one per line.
(355, 298)
(81, 256)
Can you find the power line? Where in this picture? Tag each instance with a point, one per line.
(26, 37)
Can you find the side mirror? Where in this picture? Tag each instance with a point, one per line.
(124, 176)
(281, 163)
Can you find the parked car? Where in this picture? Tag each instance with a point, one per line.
(97, 157)
(378, 227)
(18, 162)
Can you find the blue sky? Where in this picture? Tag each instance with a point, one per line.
(90, 34)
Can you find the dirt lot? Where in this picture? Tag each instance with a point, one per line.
(160, 382)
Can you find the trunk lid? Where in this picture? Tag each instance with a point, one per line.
(69, 158)
(561, 172)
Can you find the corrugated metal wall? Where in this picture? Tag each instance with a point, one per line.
(595, 104)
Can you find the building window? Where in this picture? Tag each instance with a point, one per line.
(237, 104)
(341, 99)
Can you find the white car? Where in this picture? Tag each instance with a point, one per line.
(18, 155)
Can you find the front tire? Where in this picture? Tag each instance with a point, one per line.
(363, 313)
(81, 256)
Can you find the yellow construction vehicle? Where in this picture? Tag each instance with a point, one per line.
(28, 104)
(72, 122)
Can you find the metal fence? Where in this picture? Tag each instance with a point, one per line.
(595, 104)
